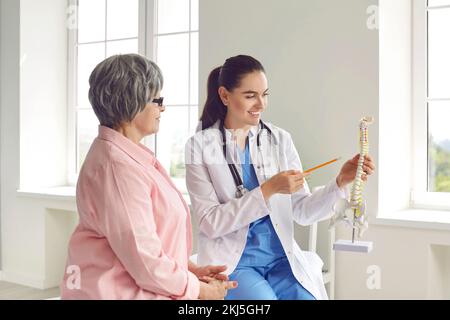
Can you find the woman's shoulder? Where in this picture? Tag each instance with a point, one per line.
(106, 158)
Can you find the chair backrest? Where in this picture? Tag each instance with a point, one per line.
(312, 238)
(312, 231)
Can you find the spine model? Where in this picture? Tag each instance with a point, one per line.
(353, 212)
(356, 199)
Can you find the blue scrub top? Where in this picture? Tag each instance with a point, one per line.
(263, 245)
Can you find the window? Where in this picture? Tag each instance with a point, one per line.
(438, 14)
(105, 28)
(176, 43)
(431, 115)
(108, 27)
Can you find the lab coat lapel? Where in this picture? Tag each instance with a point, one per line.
(268, 166)
(232, 156)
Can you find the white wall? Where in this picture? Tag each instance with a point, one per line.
(34, 230)
(322, 64)
(9, 82)
(43, 93)
(0, 138)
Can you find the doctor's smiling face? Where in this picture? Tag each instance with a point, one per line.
(246, 102)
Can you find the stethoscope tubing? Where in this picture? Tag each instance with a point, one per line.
(240, 190)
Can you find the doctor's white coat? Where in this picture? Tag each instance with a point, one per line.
(223, 220)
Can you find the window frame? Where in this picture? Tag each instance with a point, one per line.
(421, 198)
(71, 91)
(147, 46)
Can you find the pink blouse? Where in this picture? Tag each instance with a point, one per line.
(134, 235)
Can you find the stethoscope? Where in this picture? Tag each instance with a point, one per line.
(240, 189)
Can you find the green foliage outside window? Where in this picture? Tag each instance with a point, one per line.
(439, 166)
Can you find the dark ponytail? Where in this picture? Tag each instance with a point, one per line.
(228, 76)
(214, 108)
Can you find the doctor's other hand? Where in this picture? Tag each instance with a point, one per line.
(214, 289)
(348, 170)
(286, 182)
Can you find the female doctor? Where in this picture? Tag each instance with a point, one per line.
(246, 185)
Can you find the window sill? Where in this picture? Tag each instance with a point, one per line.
(417, 218)
(55, 198)
(66, 193)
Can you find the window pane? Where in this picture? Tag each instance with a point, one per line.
(87, 132)
(173, 16)
(89, 55)
(434, 3)
(439, 146)
(193, 120)
(123, 19)
(121, 47)
(91, 20)
(171, 139)
(439, 53)
(194, 14)
(173, 59)
(194, 68)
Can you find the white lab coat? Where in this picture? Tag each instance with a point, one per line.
(223, 220)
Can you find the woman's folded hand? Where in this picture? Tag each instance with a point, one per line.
(214, 289)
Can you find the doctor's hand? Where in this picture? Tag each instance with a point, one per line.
(286, 182)
(214, 289)
(348, 170)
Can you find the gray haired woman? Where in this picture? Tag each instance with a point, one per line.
(134, 235)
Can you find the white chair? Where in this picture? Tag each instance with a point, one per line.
(325, 251)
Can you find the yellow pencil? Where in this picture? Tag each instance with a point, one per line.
(322, 165)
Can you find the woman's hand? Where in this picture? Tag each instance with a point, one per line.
(209, 271)
(286, 182)
(348, 170)
(214, 289)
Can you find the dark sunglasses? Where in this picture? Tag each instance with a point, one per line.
(159, 101)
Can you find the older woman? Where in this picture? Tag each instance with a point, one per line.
(134, 235)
